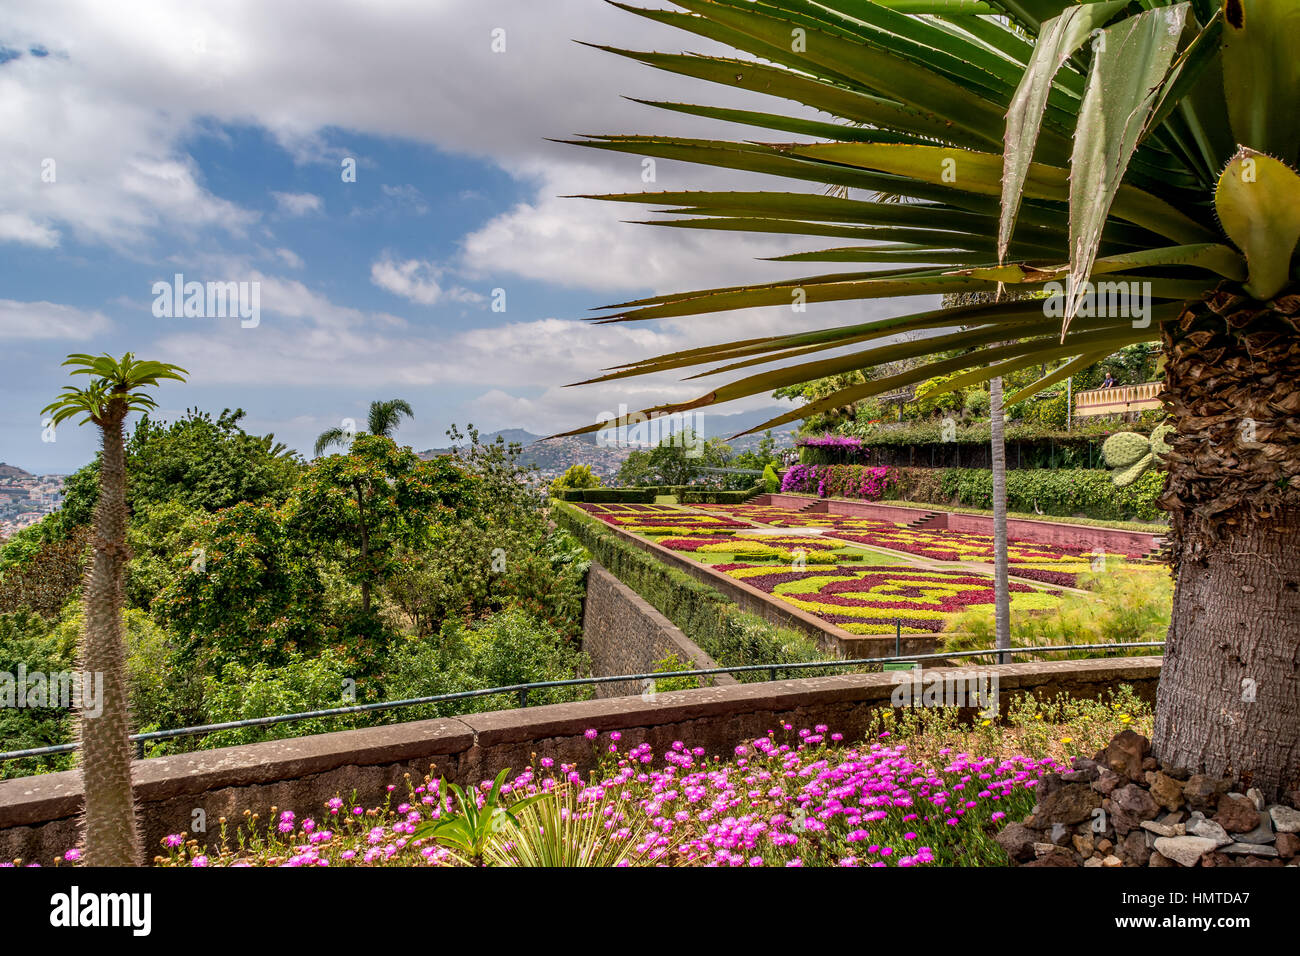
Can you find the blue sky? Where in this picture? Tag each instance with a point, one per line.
(210, 140)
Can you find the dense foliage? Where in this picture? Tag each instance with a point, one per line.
(261, 586)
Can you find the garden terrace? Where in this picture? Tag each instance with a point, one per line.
(860, 573)
(38, 815)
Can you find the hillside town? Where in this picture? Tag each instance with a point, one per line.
(26, 498)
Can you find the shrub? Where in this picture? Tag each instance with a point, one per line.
(771, 481)
(577, 476)
(47, 577)
(1063, 493)
(1129, 607)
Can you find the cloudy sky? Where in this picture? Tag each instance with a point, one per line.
(146, 139)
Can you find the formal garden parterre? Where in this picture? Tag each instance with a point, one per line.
(830, 566)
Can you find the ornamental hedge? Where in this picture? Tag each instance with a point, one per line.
(685, 494)
(708, 618)
(1063, 493)
(923, 446)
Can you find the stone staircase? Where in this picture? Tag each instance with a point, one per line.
(925, 519)
(1160, 553)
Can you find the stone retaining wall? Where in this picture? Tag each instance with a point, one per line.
(623, 634)
(38, 815)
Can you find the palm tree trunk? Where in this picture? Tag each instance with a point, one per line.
(998, 456)
(110, 833)
(1229, 695)
(1001, 573)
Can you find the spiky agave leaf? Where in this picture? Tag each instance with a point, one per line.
(1128, 113)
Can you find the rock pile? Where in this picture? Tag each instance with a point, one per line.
(1122, 808)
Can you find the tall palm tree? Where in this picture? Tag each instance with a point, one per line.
(109, 829)
(1150, 146)
(383, 420)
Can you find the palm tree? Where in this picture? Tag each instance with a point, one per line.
(1147, 148)
(109, 829)
(383, 420)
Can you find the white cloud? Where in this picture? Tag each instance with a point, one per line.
(48, 320)
(298, 204)
(128, 85)
(19, 227)
(289, 258)
(417, 281)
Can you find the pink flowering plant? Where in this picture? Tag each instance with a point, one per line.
(921, 789)
(789, 798)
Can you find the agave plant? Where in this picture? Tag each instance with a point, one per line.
(471, 832)
(1080, 152)
(561, 829)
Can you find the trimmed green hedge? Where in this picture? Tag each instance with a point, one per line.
(922, 446)
(1063, 493)
(708, 618)
(686, 494)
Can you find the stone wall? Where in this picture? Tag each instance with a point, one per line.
(38, 814)
(623, 634)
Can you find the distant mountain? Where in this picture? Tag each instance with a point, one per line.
(13, 471)
(555, 455)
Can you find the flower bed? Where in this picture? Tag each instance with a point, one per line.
(865, 482)
(788, 799)
(811, 550)
(872, 600)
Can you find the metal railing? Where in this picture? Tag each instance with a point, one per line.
(522, 690)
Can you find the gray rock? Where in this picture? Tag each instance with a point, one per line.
(1159, 829)
(1261, 834)
(1256, 797)
(1210, 830)
(1249, 849)
(1186, 850)
(1285, 820)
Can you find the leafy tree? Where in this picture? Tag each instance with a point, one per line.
(115, 389)
(242, 591)
(364, 504)
(676, 460)
(576, 476)
(207, 463)
(383, 419)
(502, 554)
(1152, 144)
(49, 574)
(198, 461)
(29, 641)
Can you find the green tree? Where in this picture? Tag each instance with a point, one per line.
(383, 419)
(576, 476)
(243, 591)
(114, 391)
(364, 504)
(1163, 139)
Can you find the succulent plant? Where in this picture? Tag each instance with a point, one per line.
(1131, 454)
